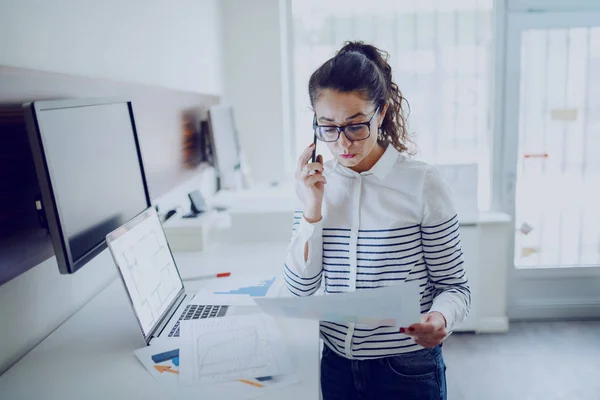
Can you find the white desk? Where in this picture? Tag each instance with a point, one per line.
(91, 355)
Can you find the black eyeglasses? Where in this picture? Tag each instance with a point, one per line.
(354, 132)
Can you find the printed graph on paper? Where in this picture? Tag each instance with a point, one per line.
(229, 348)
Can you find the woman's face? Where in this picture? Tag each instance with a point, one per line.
(344, 108)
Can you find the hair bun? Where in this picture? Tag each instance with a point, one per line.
(359, 47)
(377, 56)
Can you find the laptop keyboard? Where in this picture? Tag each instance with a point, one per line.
(195, 311)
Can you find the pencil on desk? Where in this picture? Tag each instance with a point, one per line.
(252, 383)
(210, 276)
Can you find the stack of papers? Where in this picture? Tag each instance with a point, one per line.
(243, 356)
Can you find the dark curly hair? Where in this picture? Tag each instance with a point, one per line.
(363, 68)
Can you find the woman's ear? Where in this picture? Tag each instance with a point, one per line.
(382, 114)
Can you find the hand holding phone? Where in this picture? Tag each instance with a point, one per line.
(309, 175)
(314, 153)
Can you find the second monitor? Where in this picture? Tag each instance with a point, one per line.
(226, 146)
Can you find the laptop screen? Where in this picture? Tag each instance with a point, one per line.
(144, 260)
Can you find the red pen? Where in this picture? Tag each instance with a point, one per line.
(218, 275)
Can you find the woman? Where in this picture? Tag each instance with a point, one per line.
(374, 217)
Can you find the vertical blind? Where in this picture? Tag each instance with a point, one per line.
(440, 53)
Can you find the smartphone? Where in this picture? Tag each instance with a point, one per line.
(314, 153)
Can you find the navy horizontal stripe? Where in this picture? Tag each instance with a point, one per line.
(441, 237)
(389, 230)
(333, 291)
(446, 262)
(446, 269)
(402, 271)
(337, 243)
(436, 281)
(388, 237)
(390, 265)
(447, 255)
(427, 303)
(335, 272)
(336, 278)
(452, 284)
(436, 226)
(313, 289)
(337, 229)
(389, 258)
(415, 277)
(387, 252)
(442, 250)
(388, 244)
(442, 244)
(299, 277)
(416, 271)
(334, 330)
(300, 217)
(332, 345)
(298, 283)
(336, 236)
(339, 343)
(441, 230)
(418, 253)
(329, 285)
(380, 280)
(340, 257)
(333, 335)
(339, 250)
(293, 290)
(333, 323)
(336, 265)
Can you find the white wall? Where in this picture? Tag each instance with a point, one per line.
(252, 65)
(174, 44)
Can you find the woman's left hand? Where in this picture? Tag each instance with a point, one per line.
(430, 332)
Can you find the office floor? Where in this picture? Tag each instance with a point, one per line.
(535, 360)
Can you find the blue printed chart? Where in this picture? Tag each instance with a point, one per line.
(259, 289)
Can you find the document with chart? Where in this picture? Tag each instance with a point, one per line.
(396, 305)
(228, 348)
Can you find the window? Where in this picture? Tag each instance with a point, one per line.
(440, 53)
(558, 178)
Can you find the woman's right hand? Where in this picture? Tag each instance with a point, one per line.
(312, 183)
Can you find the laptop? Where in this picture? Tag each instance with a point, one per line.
(152, 281)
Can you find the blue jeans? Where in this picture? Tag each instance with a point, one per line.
(419, 375)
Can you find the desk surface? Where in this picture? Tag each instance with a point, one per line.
(91, 355)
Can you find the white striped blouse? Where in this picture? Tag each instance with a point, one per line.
(393, 223)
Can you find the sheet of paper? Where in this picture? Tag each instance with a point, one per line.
(397, 305)
(218, 349)
(161, 360)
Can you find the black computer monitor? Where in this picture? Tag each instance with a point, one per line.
(226, 146)
(90, 172)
